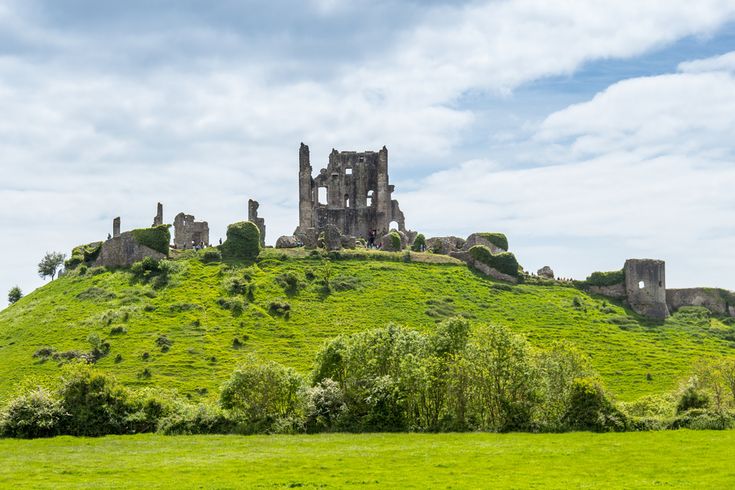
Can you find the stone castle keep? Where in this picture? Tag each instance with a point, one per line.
(352, 193)
(352, 199)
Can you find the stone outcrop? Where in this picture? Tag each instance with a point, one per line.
(545, 271)
(332, 238)
(308, 237)
(253, 218)
(465, 257)
(189, 233)
(645, 287)
(287, 241)
(718, 301)
(388, 245)
(478, 239)
(444, 245)
(352, 193)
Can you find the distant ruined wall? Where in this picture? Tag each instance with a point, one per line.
(645, 287)
(352, 193)
(188, 232)
(123, 250)
(718, 301)
(253, 218)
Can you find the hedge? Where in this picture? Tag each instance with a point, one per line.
(243, 241)
(497, 239)
(504, 262)
(610, 278)
(156, 238)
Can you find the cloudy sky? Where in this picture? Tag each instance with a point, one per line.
(589, 132)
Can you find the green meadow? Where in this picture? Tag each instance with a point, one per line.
(207, 337)
(669, 459)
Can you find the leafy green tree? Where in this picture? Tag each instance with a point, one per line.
(505, 379)
(34, 414)
(590, 408)
(14, 295)
(261, 393)
(50, 264)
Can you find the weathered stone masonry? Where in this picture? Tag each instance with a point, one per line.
(351, 193)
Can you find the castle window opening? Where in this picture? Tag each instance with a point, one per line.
(322, 195)
(347, 201)
(393, 225)
(348, 171)
(641, 285)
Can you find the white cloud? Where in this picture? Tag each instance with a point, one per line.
(645, 168)
(725, 62)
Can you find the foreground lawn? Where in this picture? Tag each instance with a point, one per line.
(676, 459)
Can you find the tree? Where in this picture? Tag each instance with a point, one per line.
(50, 264)
(14, 295)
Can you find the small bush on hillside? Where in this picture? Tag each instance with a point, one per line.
(290, 282)
(118, 330)
(606, 278)
(395, 240)
(164, 343)
(14, 295)
(345, 283)
(235, 305)
(157, 238)
(211, 255)
(83, 254)
(243, 241)
(504, 262)
(280, 308)
(152, 270)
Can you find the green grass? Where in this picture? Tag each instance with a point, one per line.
(672, 459)
(372, 292)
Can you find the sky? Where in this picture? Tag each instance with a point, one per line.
(588, 132)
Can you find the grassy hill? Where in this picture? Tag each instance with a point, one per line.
(190, 333)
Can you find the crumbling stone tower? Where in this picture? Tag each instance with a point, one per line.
(352, 193)
(645, 287)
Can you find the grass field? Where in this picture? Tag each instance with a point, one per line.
(634, 357)
(672, 459)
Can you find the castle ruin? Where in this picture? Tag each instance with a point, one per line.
(352, 193)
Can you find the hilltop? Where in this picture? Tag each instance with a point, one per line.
(189, 331)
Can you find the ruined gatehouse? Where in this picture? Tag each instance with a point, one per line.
(352, 193)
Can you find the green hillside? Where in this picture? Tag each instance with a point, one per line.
(190, 333)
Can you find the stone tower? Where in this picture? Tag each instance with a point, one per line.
(352, 193)
(645, 287)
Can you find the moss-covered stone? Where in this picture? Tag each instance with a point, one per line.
(504, 262)
(156, 238)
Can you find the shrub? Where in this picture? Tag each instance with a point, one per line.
(14, 295)
(186, 419)
(419, 243)
(497, 239)
(279, 307)
(326, 405)
(118, 330)
(210, 255)
(606, 278)
(150, 269)
(504, 262)
(235, 305)
(94, 403)
(156, 238)
(261, 393)
(692, 398)
(591, 409)
(243, 241)
(33, 414)
(164, 343)
(290, 282)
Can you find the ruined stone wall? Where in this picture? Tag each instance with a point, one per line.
(718, 301)
(253, 218)
(188, 232)
(355, 194)
(123, 250)
(645, 287)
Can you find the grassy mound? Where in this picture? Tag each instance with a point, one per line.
(192, 329)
